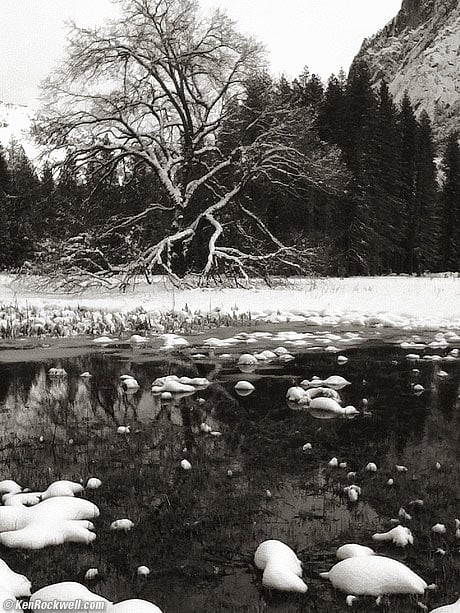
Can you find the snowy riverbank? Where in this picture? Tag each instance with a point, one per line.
(402, 302)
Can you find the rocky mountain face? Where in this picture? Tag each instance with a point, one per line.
(419, 51)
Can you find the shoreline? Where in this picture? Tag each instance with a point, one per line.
(407, 303)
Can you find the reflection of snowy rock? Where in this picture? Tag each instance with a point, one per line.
(129, 384)
(244, 388)
(57, 372)
(176, 385)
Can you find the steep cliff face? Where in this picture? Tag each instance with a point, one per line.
(419, 51)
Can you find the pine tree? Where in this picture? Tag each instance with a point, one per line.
(408, 127)
(5, 177)
(70, 215)
(5, 237)
(450, 200)
(330, 122)
(308, 91)
(22, 205)
(380, 177)
(358, 117)
(357, 233)
(427, 217)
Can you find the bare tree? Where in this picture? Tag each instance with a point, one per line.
(157, 86)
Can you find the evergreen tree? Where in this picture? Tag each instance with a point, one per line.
(450, 200)
(254, 115)
(22, 205)
(308, 91)
(380, 177)
(427, 216)
(330, 122)
(408, 127)
(5, 237)
(47, 204)
(358, 117)
(5, 177)
(357, 232)
(70, 216)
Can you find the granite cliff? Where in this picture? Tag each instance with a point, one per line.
(419, 51)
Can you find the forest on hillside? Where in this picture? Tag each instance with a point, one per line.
(200, 162)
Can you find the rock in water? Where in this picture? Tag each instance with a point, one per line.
(374, 576)
(281, 567)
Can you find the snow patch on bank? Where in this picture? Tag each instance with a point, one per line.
(397, 302)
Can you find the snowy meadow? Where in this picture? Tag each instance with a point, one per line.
(395, 302)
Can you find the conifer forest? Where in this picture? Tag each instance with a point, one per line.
(191, 159)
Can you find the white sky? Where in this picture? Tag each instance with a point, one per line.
(321, 34)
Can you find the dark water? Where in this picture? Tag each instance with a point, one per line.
(197, 531)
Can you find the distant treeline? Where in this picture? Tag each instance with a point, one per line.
(394, 208)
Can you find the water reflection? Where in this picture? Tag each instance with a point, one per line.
(198, 529)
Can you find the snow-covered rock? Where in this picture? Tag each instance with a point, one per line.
(374, 576)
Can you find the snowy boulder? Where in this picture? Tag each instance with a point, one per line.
(448, 608)
(281, 567)
(93, 483)
(26, 499)
(351, 550)
(353, 492)
(399, 535)
(103, 341)
(70, 591)
(295, 394)
(62, 488)
(51, 522)
(13, 584)
(137, 339)
(8, 486)
(122, 524)
(135, 604)
(374, 576)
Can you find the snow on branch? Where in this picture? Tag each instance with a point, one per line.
(160, 88)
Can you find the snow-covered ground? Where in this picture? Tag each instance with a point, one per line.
(403, 302)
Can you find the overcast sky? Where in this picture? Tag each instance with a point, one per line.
(321, 34)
